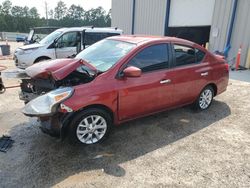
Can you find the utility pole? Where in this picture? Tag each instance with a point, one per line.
(46, 12)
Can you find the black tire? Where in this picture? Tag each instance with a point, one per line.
(198, 104)
(74, 125)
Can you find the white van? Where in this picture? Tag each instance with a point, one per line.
(62, 43)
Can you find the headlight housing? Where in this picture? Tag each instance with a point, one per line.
(47, 103)
(28, 51)
(19, 51)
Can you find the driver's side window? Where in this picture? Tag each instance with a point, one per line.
(152, 58)
(67, 40)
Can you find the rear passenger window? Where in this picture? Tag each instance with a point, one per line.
(185, 55)
(112, 34)
(199, 55)
(151, 58)
(93, 37)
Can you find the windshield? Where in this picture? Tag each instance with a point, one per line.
(51, 37)
(105, 53)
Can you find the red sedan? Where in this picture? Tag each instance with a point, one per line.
(119, 79)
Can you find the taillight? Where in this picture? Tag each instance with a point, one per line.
(227, 66)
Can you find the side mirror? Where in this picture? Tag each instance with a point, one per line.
(132, 71)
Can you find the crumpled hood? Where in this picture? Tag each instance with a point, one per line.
(58, 68)
(31, 46)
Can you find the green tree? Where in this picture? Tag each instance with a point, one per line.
(6, 7)
(17, 11)
(75, 12)
(20, 19)
(26, 11)
(33, 13)
(51, 14)
(1, 9)
(95, 17)
(3, 24)
(108, 18)
(60, 10)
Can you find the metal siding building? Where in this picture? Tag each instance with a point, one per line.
(149, 17)
(122, 15)
(241, 30)
(145, 21)
(220, 24)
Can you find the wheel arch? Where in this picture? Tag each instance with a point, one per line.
(214, 86)
(100, 106)
(41, 57)
(68, 118)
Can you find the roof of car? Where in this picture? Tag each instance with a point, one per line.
(137, 39)
(91, 29)
(46, 27)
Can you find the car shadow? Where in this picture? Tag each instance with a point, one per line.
(45, 161)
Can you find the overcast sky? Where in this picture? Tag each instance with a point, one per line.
(40, 4)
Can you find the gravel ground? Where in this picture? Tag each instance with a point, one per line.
(177, 148)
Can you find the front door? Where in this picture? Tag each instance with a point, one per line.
(150, 92)
(67, 45)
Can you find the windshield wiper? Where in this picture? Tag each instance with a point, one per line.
(85, 70)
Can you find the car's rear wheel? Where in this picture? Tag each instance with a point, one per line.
(91, 126)
(205, 99)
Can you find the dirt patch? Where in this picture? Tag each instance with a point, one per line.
(178, 148)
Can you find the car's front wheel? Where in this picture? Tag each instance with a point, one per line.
(90, 126)
(205, 99)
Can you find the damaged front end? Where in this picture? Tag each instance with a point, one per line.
(49, 75)
(51, 83)
(49, 110)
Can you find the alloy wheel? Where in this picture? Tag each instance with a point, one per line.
(206, 98)
(91, 129)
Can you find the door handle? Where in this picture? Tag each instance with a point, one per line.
(204, 73)
(165, 81)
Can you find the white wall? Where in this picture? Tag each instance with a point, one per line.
(121, 13)
(191, 12)
(150, 17)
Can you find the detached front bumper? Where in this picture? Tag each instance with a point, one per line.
(50, 111)
(51, 125)
(55, 125)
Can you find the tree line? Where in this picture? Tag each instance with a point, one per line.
(21, 19)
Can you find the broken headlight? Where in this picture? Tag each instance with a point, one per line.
(46, 104)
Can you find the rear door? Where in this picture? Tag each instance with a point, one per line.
(150, 92)
(190, 73)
